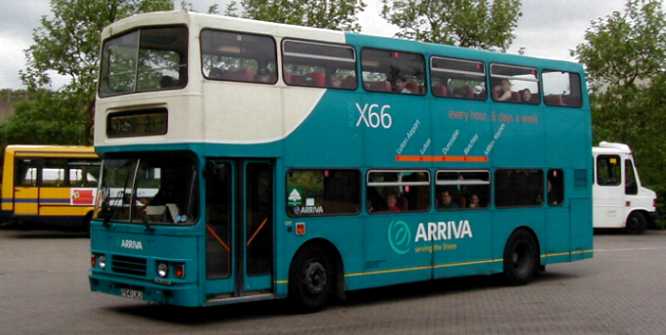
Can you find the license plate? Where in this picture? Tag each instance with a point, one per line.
(131, 293)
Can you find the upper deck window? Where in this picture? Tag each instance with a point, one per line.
(146, 59)
(457, 78)
(317, 64)
(393, 71)
(515, 84)
(561, 88)
(233, 56)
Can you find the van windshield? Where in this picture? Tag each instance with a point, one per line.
(146, 59)
(157, 189)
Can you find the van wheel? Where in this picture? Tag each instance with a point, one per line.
(521, 258)
(636, 223)
(311, 280)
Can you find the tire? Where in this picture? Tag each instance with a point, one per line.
(636, 223)
(311, 280)
(521, 258)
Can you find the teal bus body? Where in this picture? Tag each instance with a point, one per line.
(532, 136)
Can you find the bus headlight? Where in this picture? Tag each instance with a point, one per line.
(162, 270)
(101, 262)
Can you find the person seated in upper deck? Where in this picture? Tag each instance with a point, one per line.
(526, 96)
(503, 92)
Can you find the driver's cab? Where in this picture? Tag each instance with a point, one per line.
(619, 199)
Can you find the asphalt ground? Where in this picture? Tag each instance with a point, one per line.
(44, 290)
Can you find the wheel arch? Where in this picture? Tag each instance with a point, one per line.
(334, 255)
(534, 235)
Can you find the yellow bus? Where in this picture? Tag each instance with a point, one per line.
(49, 183)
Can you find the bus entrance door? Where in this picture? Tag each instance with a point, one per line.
(239, 229)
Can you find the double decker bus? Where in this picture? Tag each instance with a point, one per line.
(49, 184)
(247, 160)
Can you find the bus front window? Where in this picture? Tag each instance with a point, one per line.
(158, 189)
(147, 59)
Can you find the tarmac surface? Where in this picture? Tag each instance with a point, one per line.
(44, 290)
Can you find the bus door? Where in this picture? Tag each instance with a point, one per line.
(609, 192)
(239, 228)
(26, 191)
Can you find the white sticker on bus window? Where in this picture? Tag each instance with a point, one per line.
(309, 202)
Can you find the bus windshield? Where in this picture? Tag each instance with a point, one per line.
(146, 59)
(157, 189)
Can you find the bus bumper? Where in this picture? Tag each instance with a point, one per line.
(186, 295)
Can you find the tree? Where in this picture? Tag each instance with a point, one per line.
(625, 48)
(339, 15)
(624, 54)
(44, 118)
(465, 23)
(67, 43)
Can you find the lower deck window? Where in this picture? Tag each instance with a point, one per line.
(398, 191)
(462, 189)
(518, 187)
(323, 192)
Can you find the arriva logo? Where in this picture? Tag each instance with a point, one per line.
(131, 244)
(399, 237)
(437, 231)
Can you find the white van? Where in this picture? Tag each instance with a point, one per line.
(619, 199)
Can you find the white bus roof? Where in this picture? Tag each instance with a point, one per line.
(611, 148)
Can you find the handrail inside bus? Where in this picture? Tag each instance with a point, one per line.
(261, 226)
(217, 237)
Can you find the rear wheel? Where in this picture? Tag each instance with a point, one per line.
(636, 223)
(311, 280)
(521, 258)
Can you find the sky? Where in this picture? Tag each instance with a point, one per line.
(547, 28)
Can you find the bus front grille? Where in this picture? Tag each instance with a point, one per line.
(129, 265)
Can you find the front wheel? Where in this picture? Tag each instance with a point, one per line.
(311, 280)
(521, 258)
(636, 223)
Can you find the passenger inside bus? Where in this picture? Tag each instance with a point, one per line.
(503, 92)
(526, 96)
(392, 203)
(474, 201)
(446, 200)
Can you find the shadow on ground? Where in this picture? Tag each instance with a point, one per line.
(356, 299)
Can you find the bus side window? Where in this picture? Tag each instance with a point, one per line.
(398, 191)
(631, 184)
(53, 173)
(241, 57)
(561, 88)
(462, 189)
(323, 192)
(316, 64)
(514, 84)
(393, 71)
(518, 187)
(608, 170)
(457, 78)
(555, 187)
(26, 172)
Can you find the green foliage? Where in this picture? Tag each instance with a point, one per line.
(465, 23)
(339, 14)
(45, 118)
(623, 48)
(624, 55)
(67, 43)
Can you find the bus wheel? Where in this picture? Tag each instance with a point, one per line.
(521, 258)
(636, 223)
(311, 280)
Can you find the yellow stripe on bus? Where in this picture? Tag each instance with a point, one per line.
(446, 265)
